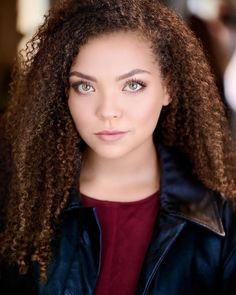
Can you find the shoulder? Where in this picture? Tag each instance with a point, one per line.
(227, 209)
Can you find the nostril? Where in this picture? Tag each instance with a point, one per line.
(106, 114)
(108, 110)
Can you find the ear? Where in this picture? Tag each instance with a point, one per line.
(166, 98)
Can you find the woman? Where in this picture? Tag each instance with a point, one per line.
(123, 166)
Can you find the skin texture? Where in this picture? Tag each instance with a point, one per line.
(117, 104)
(40, 138)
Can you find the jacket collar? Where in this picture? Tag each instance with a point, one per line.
(182, 195)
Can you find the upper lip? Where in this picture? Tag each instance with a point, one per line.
(109, 132)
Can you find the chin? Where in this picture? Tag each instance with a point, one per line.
(111, 153)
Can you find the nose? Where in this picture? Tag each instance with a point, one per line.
(108, 109)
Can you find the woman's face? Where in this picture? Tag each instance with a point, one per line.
(116, 94)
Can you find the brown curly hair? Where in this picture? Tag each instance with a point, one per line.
(44, 143)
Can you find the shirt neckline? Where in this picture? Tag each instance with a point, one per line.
(94, 201)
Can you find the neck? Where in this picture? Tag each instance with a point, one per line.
(138, 169)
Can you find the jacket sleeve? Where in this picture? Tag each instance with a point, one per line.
(229, 279)
(229, 250)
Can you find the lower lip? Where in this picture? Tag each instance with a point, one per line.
(111, 137)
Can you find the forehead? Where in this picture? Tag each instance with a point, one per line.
(115, 49)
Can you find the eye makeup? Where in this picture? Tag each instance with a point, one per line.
(85, 87)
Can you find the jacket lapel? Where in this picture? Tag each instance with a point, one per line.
(183, 199)
(184, 196)
(166, 232)
(77, 255)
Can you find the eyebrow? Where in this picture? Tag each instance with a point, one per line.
(121, 77)
(132, 73)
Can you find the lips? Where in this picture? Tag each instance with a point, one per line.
(110, 135)
(107, 132)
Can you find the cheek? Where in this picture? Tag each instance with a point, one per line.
(148, 114)
(80, 115)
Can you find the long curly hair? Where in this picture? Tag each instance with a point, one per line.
(44, 144)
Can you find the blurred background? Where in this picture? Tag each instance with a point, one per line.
(213, 22)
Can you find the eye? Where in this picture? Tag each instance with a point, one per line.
(134, 86)
(83, 87)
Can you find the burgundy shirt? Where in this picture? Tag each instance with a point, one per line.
(127, 229)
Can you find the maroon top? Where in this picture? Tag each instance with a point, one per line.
(127, 229)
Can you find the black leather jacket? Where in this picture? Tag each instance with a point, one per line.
(193, 250)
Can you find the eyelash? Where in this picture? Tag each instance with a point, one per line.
(78, 83)
(140, 82)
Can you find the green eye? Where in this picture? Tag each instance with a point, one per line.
(134, 86)
(85, 88)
